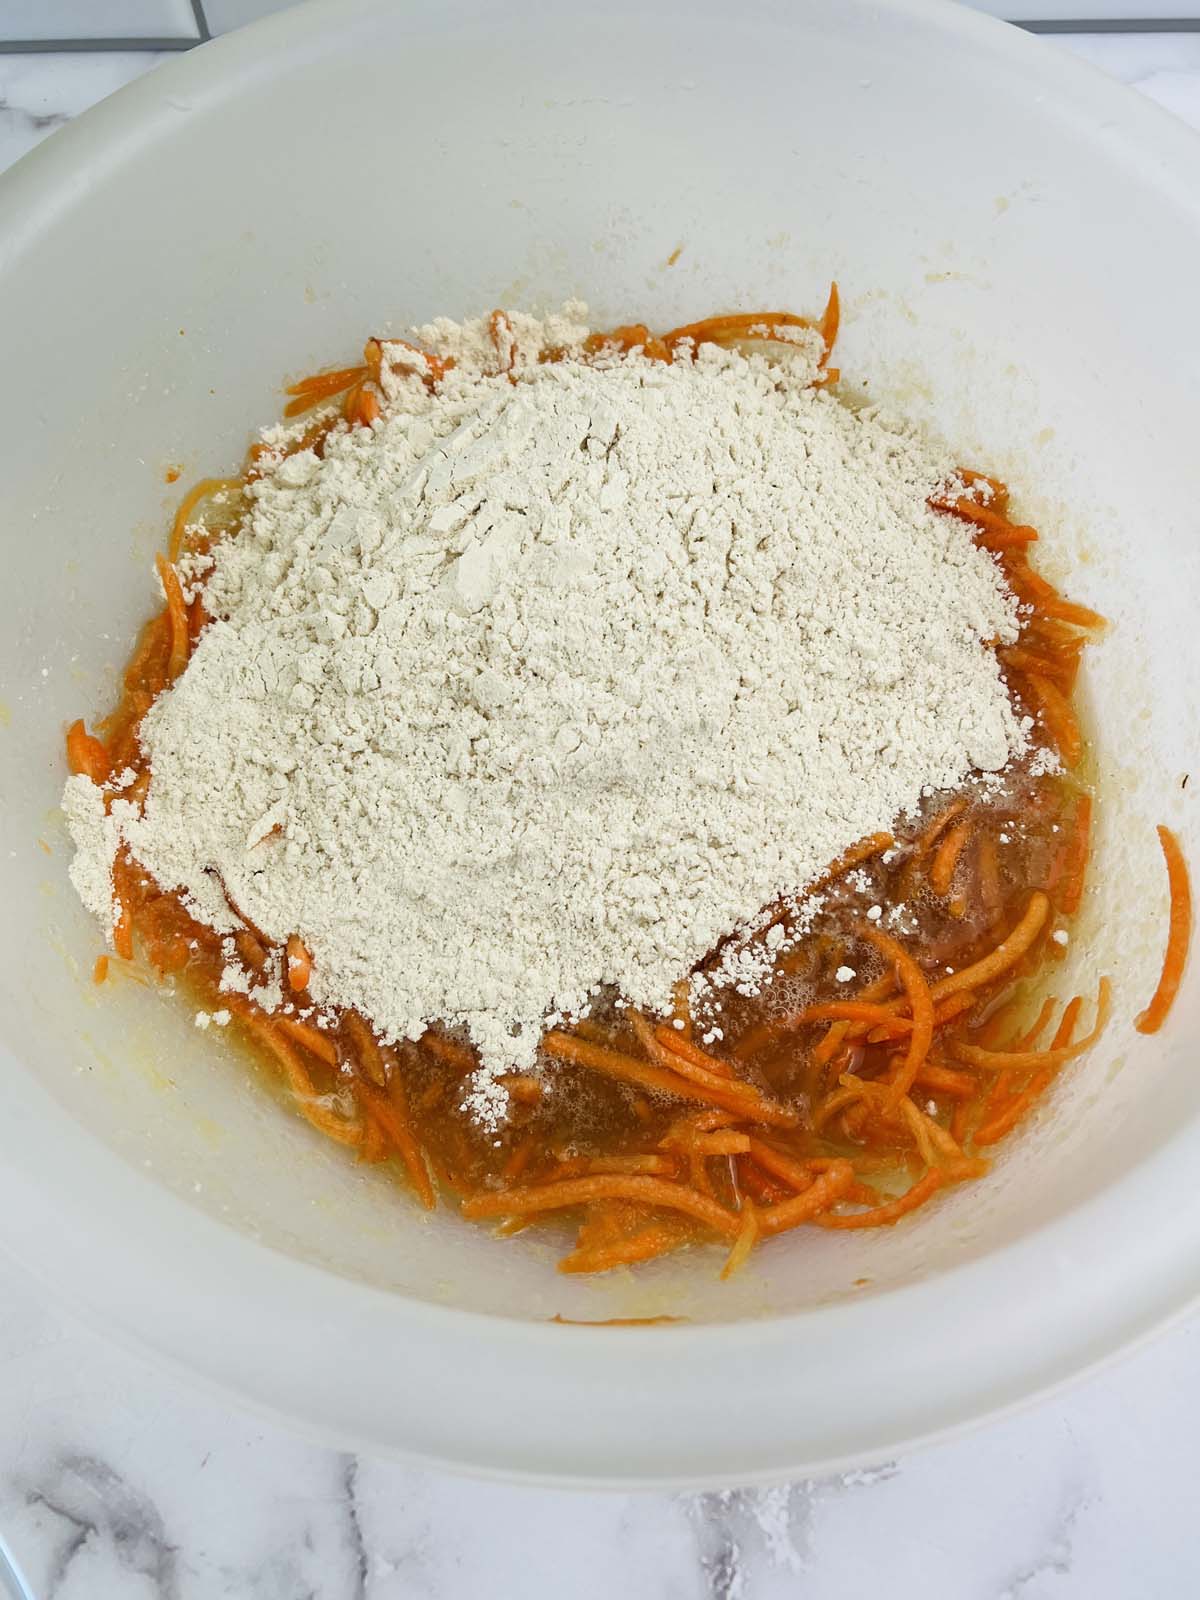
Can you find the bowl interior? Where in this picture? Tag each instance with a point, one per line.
(1017, 253)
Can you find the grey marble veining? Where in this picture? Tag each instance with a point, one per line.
(38, 93)
(118, 1482)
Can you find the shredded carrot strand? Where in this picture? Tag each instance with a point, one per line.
(321, 386)
(520, 1158)
(1059, 720)
(939, 824)
(745, 1241)
(204, 490)
(371, 1060)
(725, 1142)
(577, 1191)
(825, 1191)
(1179, 935)
(374, 1146)
(945, 857)
(122, 928)
(320, 1044)
(683, 1132)
(100, 969)
(1028, 1041)
(1023, 1060)
(874, 845)
(698, 1069)
(644, 1246)
(893, 1027)
(616, 1065)
(447, 1050)
(1065, 1031)
(181, 639)
(522, 1087)
(682, 1048)
(944, 1080)
(735, 325)
(1059, 669)
(683, 1065)
(831, 321)
(299, 962)
(1047, 1064)
(86, 756)
(436, 367)
(995, 531)
(390, 1112)
(1006, 954)
(824, 1052)
(798, 1175)
(653, 1166)
(892, 1210)
(920, 1001)
(1054, 605)
(325, 1121)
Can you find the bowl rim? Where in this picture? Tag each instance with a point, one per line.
(141, 1226)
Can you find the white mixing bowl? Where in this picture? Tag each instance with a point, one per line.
(1018, 246)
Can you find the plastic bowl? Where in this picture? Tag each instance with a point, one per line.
(1018, 247)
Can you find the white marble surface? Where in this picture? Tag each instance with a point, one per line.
(120, 1483)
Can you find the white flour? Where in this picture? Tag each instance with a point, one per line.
(544, 684)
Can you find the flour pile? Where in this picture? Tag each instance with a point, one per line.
(539, 685)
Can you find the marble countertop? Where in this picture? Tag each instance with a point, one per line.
(118, 1482)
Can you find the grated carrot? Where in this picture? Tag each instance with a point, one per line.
(1179, 935)
(181, 636)
(86, 756)
(299, 962)
(945, 857)
(883, 1216)
(576, 1191)
(920, 1001)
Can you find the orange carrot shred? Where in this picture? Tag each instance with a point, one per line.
(1179, 935)
(181, 638)
(643, 1246)
(576, 1191)
(320, 1044)
(883, 1216)
(1059, 719)
(939, 823)
(390, 1113)
(1006, 954)
(299, 963)
(204, 490)
(122, 928)
(825, 1191)
(326, 383)
(745, 1241)
(681, 1046)
(945, 858)
(1068, 611)
(916, 988)
(831, 321)
(86, 756)
(1046, 1064)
